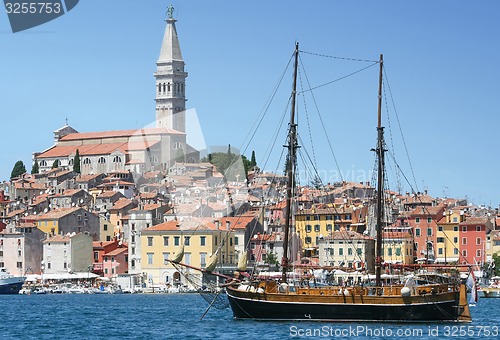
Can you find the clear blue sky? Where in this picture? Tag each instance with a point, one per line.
(95, 67)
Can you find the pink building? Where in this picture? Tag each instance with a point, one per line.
(116, 262)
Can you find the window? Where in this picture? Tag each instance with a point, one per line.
(87, 161)
(316, 217)
(308, 239)
(464, 253)
(101, 160)
(165, 241)
(105, 270)
(132, 239)
(417, 232)
(429, 219)
(150, 241)
(464, 241)
(464, 229)
(105, 227)
(398, 251)
(329, 217)
(236, 240)
(203, 240)
(308, 228)
(117, 159)
(96, 256)
(316, 227)
(187, 240)
(176, 240)
(341, 251)
(349, 251)
(455, 219)
(440, 240)
(336, 227)
(165, 258)
(231, 242)
(108, 238)
(150, 258)
(348, 217)
(187, 258)
(417, 219)
(455, 239)
(65, 265)
(328, 227)
(203, 259)
(478, 228)
(440, 228)
(19, 265)
(330, 251)
(478, 253)
(429, 231)
(455, 228)
(389, 251)
(359, 251)
(478, 241)
(455, 251)
(440, 251)
(308, 217)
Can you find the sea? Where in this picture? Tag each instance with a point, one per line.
(179, 316)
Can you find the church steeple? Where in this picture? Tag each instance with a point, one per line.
(170, 80)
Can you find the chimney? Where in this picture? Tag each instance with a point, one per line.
(217, 224)
(228, 225)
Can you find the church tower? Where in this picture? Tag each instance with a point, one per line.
(170, 80)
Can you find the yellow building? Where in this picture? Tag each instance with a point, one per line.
(162, 241)
(447, 237)
(313, 224)
(398, 247)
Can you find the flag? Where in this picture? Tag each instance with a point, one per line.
(471, 284)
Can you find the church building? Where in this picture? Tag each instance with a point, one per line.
(146, 149)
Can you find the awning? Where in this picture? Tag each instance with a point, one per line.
(69, 276)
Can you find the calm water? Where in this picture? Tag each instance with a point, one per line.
(177, 316)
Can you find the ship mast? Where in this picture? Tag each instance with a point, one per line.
(380, 180)
(290, 166)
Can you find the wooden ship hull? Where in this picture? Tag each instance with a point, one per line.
(431, 303)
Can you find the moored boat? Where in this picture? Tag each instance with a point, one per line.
(10, 284)
(414, 301)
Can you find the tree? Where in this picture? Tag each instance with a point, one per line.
(180, 156)
(253, 162)
(18, 170)
(76, 162)
(55, 165)
(496, 261)
(316, 182)
(35, 169)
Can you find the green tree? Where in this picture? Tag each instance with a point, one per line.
(35, 169)
(272, 260)
(253, 162)
(180, 156)
(55, 165)
(496, 260)
(316, 182)
(76, 162)
(18, 170)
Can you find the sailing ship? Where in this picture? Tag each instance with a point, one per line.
(415, 301)
(424, 296)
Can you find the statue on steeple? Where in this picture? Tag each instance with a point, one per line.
(170, 11)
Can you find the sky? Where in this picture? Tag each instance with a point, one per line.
(94, 67)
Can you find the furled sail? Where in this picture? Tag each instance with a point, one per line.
(212, 262)
(178, 255)
(242, 262)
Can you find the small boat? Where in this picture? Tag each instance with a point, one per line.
(10, 284)
(493, 290)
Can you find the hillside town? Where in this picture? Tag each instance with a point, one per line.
(59, 223)
(118, 205)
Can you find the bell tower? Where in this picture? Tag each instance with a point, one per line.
(170, 80)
